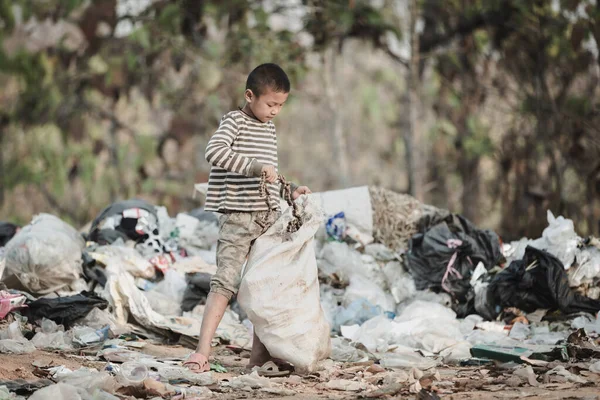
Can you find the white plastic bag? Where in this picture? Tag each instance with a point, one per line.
(561, 238)
(280, 290)
(45, 255)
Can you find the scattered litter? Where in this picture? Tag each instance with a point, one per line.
(528, 374)
(253, 381)
(561, 371)
(346, 385)
(595, 367)
(278, 391)
(408, 286)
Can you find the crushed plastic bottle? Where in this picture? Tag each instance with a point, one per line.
(85, 335)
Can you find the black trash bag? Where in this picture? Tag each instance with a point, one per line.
(64, 310)
(197, 290)
(22, 387)
(537, 281)
(92, 272)
(126, 228)
(444, 257)
(7, 231)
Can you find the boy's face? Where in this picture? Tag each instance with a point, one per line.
(267, 106)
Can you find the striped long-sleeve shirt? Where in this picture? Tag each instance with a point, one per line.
(237, 152)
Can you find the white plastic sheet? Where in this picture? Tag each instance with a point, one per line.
(280, 290)
(354, 202)
(426, 326)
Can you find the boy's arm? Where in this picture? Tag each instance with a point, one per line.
(219, 153)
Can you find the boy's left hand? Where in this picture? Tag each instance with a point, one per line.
(300, 191)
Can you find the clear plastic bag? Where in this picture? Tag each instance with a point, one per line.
(90, 380)
(52, 341)
(343, 351)
(172, 286)
(60, 391)
(45, 255)
(12, 340)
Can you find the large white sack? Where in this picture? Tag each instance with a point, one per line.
(280, 290)
(45, 255)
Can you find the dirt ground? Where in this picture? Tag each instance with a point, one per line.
(469, 383)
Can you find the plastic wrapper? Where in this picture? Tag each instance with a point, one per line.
(85, 336)
(45, 255)
(590, 325)
(343, 351)
(98, 319)
(405, 357)
(125, 257)
(401, 284)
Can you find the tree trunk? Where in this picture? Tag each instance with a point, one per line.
(3, 126)
(339, 145)
(412, 143)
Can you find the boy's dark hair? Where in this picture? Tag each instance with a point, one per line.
(270, 76)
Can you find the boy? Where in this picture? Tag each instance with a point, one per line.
(241, 152)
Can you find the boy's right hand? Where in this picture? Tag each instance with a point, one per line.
(270, 172)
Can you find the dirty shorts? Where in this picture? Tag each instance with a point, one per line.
(237, 233)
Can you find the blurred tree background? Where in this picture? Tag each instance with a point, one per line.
(489, 108)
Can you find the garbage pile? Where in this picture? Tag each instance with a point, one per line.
(452, 293)
(403, 285)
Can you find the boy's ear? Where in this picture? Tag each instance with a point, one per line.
(249, 95)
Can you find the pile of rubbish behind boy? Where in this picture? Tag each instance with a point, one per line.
(407, 288)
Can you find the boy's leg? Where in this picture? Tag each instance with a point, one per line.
(259, 354)
(216, 304)
(235, 239)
